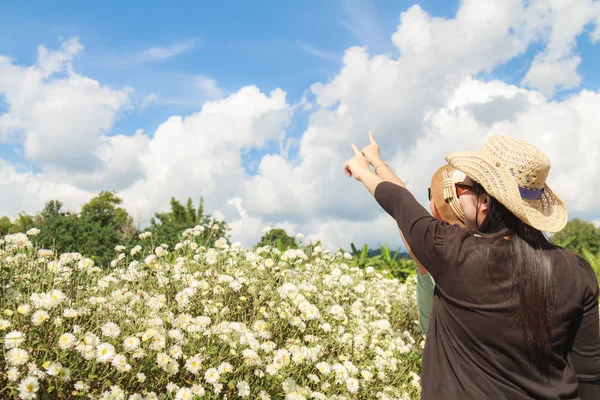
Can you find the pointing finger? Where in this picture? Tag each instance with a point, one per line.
(356, 151)
(371, 138)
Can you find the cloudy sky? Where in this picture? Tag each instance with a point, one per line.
(254, 105)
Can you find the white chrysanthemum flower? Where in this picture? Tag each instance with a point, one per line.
(235, 285)
(28, 388)
(44, 253)
(4, 324)
(212, 375)
(341, 373)
(182, 298)
(145, 235)
(272, 369)
(119, 361)
(56, 298)
(24, 309)
(352, 385)
(160, 252)
(131, 343)
(211, 259)
(105, 352)
(243, 389)
(308, 310)
(12, 374)
(70, 313)
(33, 232)
(54, 368)
(264, 395)
(324, 368)
(193, 364)
(17, 357)
(13, 339)
(184, 394)
(111, 330)
(64, 374)
(175, 352)
(251, 357)
(198, 390)
(39, 317)
(225, 368)
(135, 250)
(141, 377)
(415, 380)
(81, 386)
(66, 341)
(366, 375)
(162, 360)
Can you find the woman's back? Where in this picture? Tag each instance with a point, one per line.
(475, 348)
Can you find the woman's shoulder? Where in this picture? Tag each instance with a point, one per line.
(574, 268)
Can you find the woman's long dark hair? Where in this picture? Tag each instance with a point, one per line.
(532, 276)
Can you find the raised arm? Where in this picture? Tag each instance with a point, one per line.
(383, 170)
(425, 284)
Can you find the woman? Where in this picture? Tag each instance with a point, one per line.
(514, 316)
(444, 205)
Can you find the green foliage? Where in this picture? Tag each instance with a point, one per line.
(102, 224)
(594, 260)
(578, 236)
(278, 238)
(22, 223)
(5, 225)
(398, 267)
(167, 227)
(59, 229)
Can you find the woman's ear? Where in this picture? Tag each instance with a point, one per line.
(484, 203)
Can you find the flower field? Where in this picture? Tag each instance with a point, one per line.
(193, 322)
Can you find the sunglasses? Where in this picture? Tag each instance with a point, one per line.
(460, 189)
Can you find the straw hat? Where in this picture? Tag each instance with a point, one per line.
(443, 194)
(514, 172)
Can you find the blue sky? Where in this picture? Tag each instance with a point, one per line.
(269, 44)
(289, 45)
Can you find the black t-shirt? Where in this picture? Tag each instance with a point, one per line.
(474, 348)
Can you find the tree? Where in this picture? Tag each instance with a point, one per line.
(59, 229)
(279, 239)
(6, 226)
(166, 227)
(577, 236)
(102, 225)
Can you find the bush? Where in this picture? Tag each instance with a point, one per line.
(196, 322)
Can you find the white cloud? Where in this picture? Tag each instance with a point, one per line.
(58, 114)
(559, 23)
(421, 105)
(325, 55)
(209, 87)
(162, 53)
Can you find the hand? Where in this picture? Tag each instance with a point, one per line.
(371, 151)
(357, 165)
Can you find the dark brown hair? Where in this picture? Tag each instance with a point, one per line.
(532, 275)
